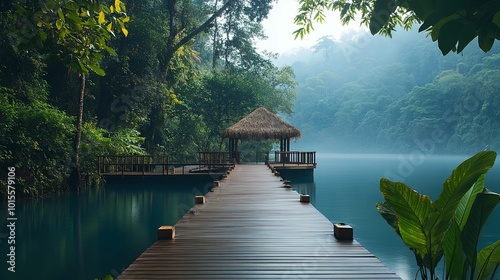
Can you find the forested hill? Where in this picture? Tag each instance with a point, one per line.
(80, 79)
(375, 94)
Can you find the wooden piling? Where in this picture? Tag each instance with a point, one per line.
(305, 198)
(199, 199)
(166, 233)
(252, 229)
(342, 231)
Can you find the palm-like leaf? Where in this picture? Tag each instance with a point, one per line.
(460, 181)
(389, 215)
(453, 248)
(454, 188)
(453, 252)
(411, 210)
(423, 225)
(465, 205)
(488, 260)
(483, 206)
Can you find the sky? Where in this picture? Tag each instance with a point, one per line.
(279, 27)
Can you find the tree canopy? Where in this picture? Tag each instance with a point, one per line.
(396, 95)
(156, 77)
(453, 24)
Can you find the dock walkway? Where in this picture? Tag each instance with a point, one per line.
(251, 227)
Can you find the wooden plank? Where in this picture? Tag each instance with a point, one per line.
(251, 227)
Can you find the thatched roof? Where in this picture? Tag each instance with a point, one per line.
(261, 125)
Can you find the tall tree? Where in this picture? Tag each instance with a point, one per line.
(76, 33)
(185, 22)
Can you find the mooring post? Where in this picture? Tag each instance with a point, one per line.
(199, 199)
(342, 231)
(305, 198)
(287, 183)
(166, 233)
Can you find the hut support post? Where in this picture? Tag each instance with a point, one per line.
(233, 149)
(284, 150)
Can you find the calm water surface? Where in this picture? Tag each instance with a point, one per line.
(102, 231)
(93, 234)
(346, 189)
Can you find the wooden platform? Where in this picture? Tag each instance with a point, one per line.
(297, 166)
(251, 227)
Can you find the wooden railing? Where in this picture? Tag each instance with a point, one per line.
(149, 165)
(294, 157)
(214, 157)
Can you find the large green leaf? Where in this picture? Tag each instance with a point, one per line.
(444, 11)
(483, 206)
(465, 205)
(467, 34)
(436, 29)
(449, 35)
(485, 42)
(389, 215)
(98, 70)
(496, 19)
(412, 210)
(453, 252)
(423, 8)
(458, 184)
(488, 260)
(381, 14)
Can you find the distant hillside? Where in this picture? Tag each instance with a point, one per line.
(372, 93)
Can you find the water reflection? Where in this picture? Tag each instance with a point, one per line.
(346, 189)
(302, 182)
(95, 233)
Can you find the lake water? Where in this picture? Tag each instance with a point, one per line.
(346, 189)
(93, 234)
(102, 231)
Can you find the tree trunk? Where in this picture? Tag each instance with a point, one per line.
(215, 38)
(75, 174)
(174, 45)
(80, 120)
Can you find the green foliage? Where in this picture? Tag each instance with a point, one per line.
(160, 92)
(380, 15)
(98, 142)
(36, 139)
(454, 24)
(228, 96)
(451, 225)
(375, 94)
(22, 72)
(77, 30)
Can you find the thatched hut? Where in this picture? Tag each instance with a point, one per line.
(261, 124)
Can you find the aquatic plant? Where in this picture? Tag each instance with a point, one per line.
(449, 226)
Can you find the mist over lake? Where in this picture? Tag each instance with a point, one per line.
(346, 189)
(80, 80)
(365, 93)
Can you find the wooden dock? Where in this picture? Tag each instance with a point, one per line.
(137, 165)
(293, 160)
(252, 227)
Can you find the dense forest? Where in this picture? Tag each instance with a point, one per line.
(80, 79)
(367, 93)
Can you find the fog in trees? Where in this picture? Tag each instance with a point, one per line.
(364, 93)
